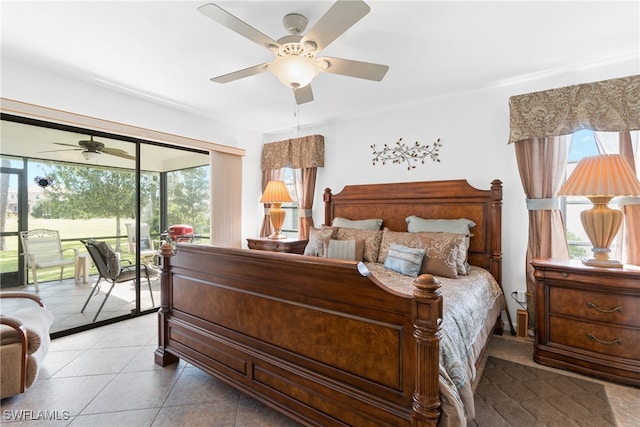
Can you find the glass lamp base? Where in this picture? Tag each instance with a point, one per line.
(277, 235)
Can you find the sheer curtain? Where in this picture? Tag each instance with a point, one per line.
(626, 144)
(631, 207)
(542, 163)
(304, 155)
(268, 175)
(535, 120)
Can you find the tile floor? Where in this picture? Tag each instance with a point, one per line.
(107, 377)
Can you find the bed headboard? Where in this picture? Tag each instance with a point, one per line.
(430, 199)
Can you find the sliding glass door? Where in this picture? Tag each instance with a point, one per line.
(88, 185)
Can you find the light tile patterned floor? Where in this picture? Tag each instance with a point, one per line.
(107, 377)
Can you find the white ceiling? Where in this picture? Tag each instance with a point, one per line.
(167, 51)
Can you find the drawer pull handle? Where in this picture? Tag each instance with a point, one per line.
(616, 341)
(604, 310)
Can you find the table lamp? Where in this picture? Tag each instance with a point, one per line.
(276, 194)
(601, 178)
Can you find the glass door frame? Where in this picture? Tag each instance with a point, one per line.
(17, 278)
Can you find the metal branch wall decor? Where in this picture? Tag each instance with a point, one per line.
(403, 153)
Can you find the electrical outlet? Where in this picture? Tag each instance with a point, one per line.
(521, 296)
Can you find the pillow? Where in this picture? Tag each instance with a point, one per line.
(463, 251)
(371, 239)
(352, 250)
(317, 237)
(111, 259)
(404, 260)
(145, 244)
(389, 237)
(361, 224)
(440, 253)
(460, 226)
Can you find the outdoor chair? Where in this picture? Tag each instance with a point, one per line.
(146, 243)
(24, 340)
(43, 249)
(112, 270)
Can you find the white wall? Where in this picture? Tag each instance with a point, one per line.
(474, 131)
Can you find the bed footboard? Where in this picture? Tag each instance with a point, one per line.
(319, 340)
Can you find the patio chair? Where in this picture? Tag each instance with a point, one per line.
(24, 341)
(43, 249)
(146, 243)
(112, 270)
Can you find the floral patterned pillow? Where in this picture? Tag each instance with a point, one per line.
(441, 253)
(317, 238)
(372, 239)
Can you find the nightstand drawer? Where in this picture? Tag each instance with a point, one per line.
(618, 309)
(610, 340)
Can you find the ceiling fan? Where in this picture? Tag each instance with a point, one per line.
(295, 61)
(91, 149)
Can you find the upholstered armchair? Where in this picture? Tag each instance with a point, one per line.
(24, 340)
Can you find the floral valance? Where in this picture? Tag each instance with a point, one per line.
(609, 105)
(296, 153)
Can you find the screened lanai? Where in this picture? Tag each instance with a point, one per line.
(88, 184)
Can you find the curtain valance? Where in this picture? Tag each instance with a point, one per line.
(609, 105)
(296, 153)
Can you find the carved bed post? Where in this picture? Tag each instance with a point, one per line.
(427, 321)
(162, 357)
(326, 197)
(495, 266)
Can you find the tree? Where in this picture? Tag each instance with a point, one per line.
(81, 192)
(189, 198)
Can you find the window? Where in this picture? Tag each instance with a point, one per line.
(586, 143)
(290, 227)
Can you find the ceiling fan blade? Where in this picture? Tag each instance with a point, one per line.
(66, 145)
(303, 94)
(338, 19)
(223, 17)
(57, 151)
(240, 74)
(348, 67)
(117, 152)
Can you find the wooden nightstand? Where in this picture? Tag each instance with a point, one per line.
(588, 319)
(293, 246)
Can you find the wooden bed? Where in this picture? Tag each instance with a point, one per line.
(318, 339)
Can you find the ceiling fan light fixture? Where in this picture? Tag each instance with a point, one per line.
(295, 71)
(89, 155)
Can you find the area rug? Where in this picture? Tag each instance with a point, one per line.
(511, 394)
